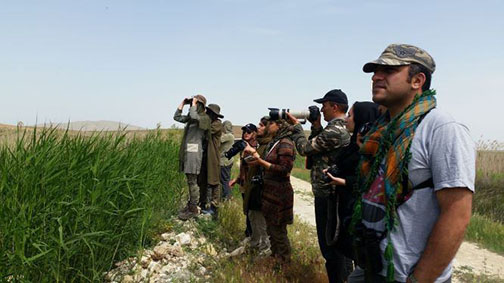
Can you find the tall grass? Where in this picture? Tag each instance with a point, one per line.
(489, 196)
(72, 205)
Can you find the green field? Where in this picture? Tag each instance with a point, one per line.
(75, 203)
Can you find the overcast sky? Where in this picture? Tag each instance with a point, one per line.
(134, 61)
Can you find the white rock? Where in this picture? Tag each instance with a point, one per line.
(165, 278)
(155, 278)
(128, 279)
(202, 270)
(147, 252)
(237, 252)
(167, 236)
(144, 273)
(183, 239)
(145, 261)
(183, 276)
(152, 265)
(161, 251)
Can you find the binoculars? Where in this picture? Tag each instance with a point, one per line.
(312, 114)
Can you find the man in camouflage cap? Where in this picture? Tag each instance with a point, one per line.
(416, 177)
(323, 148)
(197, 124)
(402, 55)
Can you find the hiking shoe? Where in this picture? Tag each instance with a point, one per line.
(191, 212)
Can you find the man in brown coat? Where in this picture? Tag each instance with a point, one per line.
(212, 190)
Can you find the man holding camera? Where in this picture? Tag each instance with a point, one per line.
(322, 149)
(197, 123)
(416, 177)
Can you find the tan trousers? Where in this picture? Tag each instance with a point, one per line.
(259, 238)
(194, 191)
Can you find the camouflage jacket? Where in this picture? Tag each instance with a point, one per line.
(322, 149)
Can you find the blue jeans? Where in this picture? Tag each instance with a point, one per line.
(225, 176)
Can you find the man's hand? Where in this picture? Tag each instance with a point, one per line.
(317, 123)
(249, 149)
(181, 106)
(291, 119)
(335, 180)
(447, 233)
(232, 182)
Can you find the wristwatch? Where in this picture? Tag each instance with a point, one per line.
(412, 278)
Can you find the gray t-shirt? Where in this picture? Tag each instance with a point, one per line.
(443, 150)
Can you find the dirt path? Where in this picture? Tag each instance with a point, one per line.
(480, 261)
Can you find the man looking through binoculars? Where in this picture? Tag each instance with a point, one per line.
(197, 123)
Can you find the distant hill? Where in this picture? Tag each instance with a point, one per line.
(5, 126)
(93, 126)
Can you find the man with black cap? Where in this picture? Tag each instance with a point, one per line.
(415, 177)
(322, 148)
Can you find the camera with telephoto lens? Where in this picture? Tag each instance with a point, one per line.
(333, 170)
(237, 147)
(312, 114)
(257, 180)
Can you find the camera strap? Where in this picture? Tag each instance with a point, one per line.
(271, 149)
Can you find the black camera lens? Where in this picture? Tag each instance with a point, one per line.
(237, 147)
(277, 114)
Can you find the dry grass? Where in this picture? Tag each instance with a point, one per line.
(490, 162)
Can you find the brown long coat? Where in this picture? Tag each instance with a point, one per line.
(278, 196)
(213, 161)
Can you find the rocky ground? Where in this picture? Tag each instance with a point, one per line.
(177, 257)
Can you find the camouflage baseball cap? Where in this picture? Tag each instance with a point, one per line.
(200, 98)
(402, 55)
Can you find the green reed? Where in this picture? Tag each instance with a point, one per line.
(73, 204)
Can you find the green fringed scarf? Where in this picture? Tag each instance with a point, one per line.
(390, 141)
